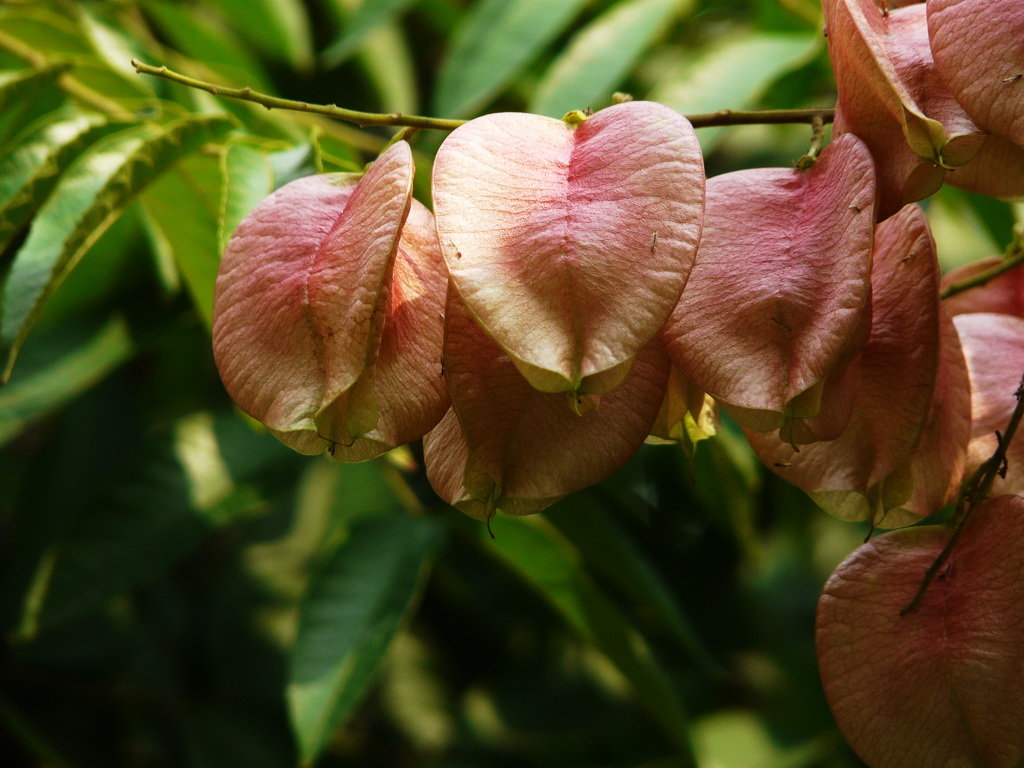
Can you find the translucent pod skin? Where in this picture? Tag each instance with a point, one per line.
(777, 303)
(570, 241)
(994, 348)
(977, 51)
(893, 96)
(508, 447)
(327, 316)
(940, 686)
(902, 454)
(1003, 294)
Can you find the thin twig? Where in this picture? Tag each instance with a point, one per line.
(721, 118)
(725, 117)
(972, 494)
(1014, 256)
(273, 102)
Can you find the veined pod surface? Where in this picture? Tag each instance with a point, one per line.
(328, 313)
(570, 240)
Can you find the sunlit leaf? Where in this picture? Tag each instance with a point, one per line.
(496, 40)
(18, 83)
(112, 44)
(30, 171)
(183, 209)
(247, 178)
(334, 154)
(602, 54)
(732, 74)
(352, 610)
(88, 198)
(196, 32)
(60, 37)
(18, 89)
(387, 60)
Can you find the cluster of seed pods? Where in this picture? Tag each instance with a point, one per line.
(580, 288)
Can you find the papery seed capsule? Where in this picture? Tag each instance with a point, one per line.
(326, 315)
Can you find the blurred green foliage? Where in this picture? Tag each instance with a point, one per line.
(180, 590)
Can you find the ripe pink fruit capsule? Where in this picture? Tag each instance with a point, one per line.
(979, 56)
(327, 318)
(776, 304)
(994, 348)
(941, 686)
(570, 241)
(901, 455)
(508, 447)
(893, 97)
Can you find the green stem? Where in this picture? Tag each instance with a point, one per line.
(1014, 256)
(273, 102)
(807, 162)
(972, 494)
(723, 117)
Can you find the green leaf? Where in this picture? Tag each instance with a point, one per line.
(31, 737)
(498, 39)
(17, 84)
(293, 163)
(113, 45)
(62, 37)
(610, 552)
(733, 73)
(247, 178)
(183, 213)
(602, 54)
(44, 30)
(388, 63)
(31, 170)
(370, 15)
(279, 29)
(198, 34)
(548, 562)
(727, 481)
(968, 226)
(352, 610)
(88, 198)
(19, 88)
(206, 473)
(334, 154)
(68, 368)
